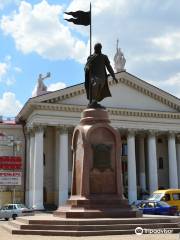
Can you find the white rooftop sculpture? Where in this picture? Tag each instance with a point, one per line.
(41, 87)
(119, 59)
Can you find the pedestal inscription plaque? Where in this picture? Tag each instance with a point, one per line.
(101, 156)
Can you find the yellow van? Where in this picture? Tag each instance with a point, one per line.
(171, 196)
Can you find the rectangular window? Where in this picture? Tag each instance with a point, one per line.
(10, 207)
(161, 163)
(160, 140)
(167, 197)
(124, 149)
(176, 196)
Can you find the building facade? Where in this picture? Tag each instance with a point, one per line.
(147, 118)
(12, 149)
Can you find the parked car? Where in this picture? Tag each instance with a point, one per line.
(170, 196)
(14, 210)
(156, 207)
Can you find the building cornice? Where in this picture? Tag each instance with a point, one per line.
(112, 111)
(10, 126)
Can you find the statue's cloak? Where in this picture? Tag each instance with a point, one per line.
(95, 68)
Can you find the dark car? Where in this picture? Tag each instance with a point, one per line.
(156, 207)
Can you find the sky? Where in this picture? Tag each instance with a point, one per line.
(35, 38)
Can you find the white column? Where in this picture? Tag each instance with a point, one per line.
(63, 165)
(31, 169)
(56, 170)
(152, 163)
(132, 186)
(178, 161)
(173, 177)
(38, 169)
(142, 175)
(27, 170)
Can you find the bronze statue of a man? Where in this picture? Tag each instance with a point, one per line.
(96, 83)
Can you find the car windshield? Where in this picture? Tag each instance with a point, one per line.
(156, 196)
(21, 206)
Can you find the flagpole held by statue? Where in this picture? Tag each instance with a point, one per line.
(83, 18)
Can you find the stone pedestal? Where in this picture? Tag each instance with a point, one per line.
(97, 190)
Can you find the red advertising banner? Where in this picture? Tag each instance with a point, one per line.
(10, 162)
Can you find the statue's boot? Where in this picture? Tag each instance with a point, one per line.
(95, 105)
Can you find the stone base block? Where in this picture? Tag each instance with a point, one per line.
(97, 207)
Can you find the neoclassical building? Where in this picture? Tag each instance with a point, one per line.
(147, 118)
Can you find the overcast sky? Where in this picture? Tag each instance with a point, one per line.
(35, 38)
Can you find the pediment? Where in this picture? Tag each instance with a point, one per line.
(129, 93)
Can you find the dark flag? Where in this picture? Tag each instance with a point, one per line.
(83, 18)
(80, 17)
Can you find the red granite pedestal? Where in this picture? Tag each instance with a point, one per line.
(97, 189)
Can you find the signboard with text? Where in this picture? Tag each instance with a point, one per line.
(10, 178)
(10, 162)
(6, 140)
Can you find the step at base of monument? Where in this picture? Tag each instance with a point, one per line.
(47, 232)
(67, 233)
(48, 219)
(53, 226)
(109, 213)
(97, 214)
(103, 201)
(89, 227)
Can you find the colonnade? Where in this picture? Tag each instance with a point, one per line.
(35, 149)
